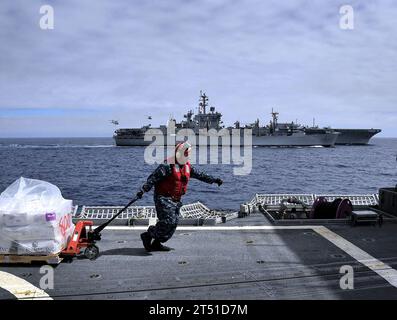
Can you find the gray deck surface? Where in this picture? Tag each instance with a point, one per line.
(233, 264)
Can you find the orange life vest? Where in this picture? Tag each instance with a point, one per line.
(175, 185)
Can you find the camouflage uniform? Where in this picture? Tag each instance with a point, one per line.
(167, 208)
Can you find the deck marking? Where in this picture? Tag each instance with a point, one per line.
(21, 288)
(209, 228)
(382, 269)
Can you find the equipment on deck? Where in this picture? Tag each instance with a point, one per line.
(81, 239)
(86, 238)
(337, 209)
(388, 200)
(366, 216)
(293, 213)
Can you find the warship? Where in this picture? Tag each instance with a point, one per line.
(273, 134)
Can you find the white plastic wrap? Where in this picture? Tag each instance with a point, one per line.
(34, 218)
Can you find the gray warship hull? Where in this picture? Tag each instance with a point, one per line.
(355, 136)
(294, 140)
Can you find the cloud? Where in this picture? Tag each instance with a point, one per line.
(126, 60)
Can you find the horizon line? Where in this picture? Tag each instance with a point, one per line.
(110, 137)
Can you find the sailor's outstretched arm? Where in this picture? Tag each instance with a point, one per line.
(162, 171)
(202, 176)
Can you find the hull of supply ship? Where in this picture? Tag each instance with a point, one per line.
(348, 136)
(274, 134)
(294, 140)
(355, 136)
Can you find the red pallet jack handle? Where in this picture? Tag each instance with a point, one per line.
(97, 231)
(84, 238)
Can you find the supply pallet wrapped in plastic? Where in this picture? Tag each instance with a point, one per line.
(34, 219)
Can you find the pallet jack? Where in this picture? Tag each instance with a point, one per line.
(85, 237)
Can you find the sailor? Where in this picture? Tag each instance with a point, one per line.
(170, 181)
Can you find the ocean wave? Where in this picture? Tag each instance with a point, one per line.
(90, 176)
(342, 166)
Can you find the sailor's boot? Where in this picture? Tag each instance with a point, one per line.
(146, 240)
(157, 246)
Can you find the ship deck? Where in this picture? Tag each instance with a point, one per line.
(246, 258)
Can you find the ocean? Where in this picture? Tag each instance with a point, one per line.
(93, 171)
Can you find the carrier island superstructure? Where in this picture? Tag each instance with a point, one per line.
(275, 133)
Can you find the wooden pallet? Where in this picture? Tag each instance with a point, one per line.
(49, 259)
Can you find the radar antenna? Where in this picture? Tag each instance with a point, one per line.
(275, 118)
(203, 102)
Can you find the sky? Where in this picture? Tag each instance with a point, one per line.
(127, 60)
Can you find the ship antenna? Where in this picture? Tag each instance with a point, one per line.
(203, 102)
(200, 107)
(275, 118)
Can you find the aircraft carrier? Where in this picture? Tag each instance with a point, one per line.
(251, 254)
(275, 133)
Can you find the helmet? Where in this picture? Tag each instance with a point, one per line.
(182, 152)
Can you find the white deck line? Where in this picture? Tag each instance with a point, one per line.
(382, 269)
(209, 228)
(20, 288)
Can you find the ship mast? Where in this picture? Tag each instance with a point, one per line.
(275, 118)
(203, 102)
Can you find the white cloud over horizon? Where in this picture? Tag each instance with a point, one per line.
(128, 59)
